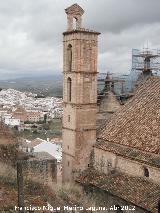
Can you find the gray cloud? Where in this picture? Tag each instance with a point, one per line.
(117, 15)
(31, 33)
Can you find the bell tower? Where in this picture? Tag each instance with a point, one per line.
(79, 94)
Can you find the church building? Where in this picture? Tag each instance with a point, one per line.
(126, 162)
(121, 158)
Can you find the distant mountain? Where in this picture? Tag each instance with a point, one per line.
(37, 78)
(47, 85)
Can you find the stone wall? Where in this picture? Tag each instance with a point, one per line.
(44, 171)
(105, 162)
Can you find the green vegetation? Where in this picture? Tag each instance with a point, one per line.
(9, 189)
(37, 193)
(9, 181)
(48, 130)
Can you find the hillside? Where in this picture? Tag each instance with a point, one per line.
(46, 85)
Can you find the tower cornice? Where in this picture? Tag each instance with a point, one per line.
(81, 72)
(82, 30)
(79, 129)
(80, 105)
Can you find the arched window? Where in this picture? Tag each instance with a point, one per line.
(69, 89)
(146, 172)
(69, 58)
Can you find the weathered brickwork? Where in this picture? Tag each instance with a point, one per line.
(74, 12)
(79, 94)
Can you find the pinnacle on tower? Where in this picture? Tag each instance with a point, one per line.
(74, 12)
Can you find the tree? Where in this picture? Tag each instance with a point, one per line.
(45, 118)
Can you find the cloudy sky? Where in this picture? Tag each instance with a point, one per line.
(31, 33)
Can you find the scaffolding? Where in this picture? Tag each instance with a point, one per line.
(145, 62)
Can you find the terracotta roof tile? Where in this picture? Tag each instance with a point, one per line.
(137, 123)
(128, 152)
(135, 190)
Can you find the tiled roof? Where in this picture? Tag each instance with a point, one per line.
(138, 191)
(35, 142)
(131, 153)
(42, 156)
(137, 123)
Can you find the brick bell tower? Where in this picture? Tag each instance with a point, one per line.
(79, 94)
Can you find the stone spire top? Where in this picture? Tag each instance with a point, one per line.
(74, 12)
(74, 9)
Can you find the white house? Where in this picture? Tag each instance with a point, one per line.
(12, 121)
(53, 149)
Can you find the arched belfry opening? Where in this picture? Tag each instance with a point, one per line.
(69, 89)
(75, 20)
(69, 57)
(74, 14)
